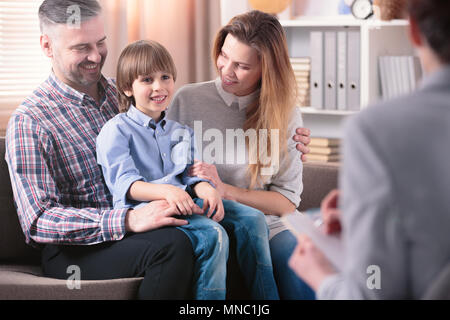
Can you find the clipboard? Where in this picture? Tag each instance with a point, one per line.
(331, 246)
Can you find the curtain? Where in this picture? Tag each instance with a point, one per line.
(185, 27)
(23, 66)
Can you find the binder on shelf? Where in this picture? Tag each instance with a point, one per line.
(383, 71)
(415, 69)
(398, 75)
(353, 71)
(330, 70)
(316, 77)
(406, 74)
(341, 70)
(392, 77)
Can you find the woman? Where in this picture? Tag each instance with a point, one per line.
(254, 98)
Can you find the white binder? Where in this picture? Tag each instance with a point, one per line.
(384, 81)
(415, 70)
(353, 70)
(330, 70)
(342, 70)
(316, 78)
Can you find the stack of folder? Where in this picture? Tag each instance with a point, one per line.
(335, 70)
(324, 149)
(398, 75)
(302, 69)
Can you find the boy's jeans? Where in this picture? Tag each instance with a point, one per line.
(210, 243)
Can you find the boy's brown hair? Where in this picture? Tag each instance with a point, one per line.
(140, 58)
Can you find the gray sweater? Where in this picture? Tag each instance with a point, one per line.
(216, 117)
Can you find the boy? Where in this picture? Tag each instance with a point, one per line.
(146, 157)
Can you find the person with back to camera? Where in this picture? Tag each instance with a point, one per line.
(393, 203)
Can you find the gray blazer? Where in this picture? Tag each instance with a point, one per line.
(395, 200)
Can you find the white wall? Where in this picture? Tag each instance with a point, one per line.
(230, 8)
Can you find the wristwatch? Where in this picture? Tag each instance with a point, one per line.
(362, 9)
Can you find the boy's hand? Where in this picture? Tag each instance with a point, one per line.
(212, 199)
(181, 200)
(209, 172)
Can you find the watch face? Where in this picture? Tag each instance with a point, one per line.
(362, 9)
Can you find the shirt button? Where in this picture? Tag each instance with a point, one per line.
(115, 236)
(164, 154)
(166, 180)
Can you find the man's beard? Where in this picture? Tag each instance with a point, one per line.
(76, 76)
(79, 78)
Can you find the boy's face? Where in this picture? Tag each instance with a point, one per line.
(152, 93)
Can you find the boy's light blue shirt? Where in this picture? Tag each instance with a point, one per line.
(133, 147)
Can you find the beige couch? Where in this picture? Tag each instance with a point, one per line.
(20, 272)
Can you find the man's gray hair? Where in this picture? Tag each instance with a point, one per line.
(71, 12)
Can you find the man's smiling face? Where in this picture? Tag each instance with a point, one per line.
(78, 54)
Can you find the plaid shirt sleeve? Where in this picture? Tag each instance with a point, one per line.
(42, 216)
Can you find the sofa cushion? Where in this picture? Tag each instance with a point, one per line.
(318, 180)
(12, 239)
(27, 283)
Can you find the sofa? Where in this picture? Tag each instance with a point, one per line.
(20, 272)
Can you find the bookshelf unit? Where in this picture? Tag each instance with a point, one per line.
(376, 38)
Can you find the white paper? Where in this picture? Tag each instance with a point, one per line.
(330, 245)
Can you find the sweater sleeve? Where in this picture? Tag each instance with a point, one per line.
(288, 180)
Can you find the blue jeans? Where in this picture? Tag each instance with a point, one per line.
(249, 228)
(290, 286)
(210, 243)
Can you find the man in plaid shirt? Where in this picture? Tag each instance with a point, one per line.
(63, 204)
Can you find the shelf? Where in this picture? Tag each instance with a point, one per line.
(340, 21)
(377, 38)
(311, 110)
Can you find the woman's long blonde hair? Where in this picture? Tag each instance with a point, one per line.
(275, 104)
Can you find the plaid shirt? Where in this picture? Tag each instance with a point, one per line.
(58, 187)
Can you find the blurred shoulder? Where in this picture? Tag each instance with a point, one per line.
(397, 110)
